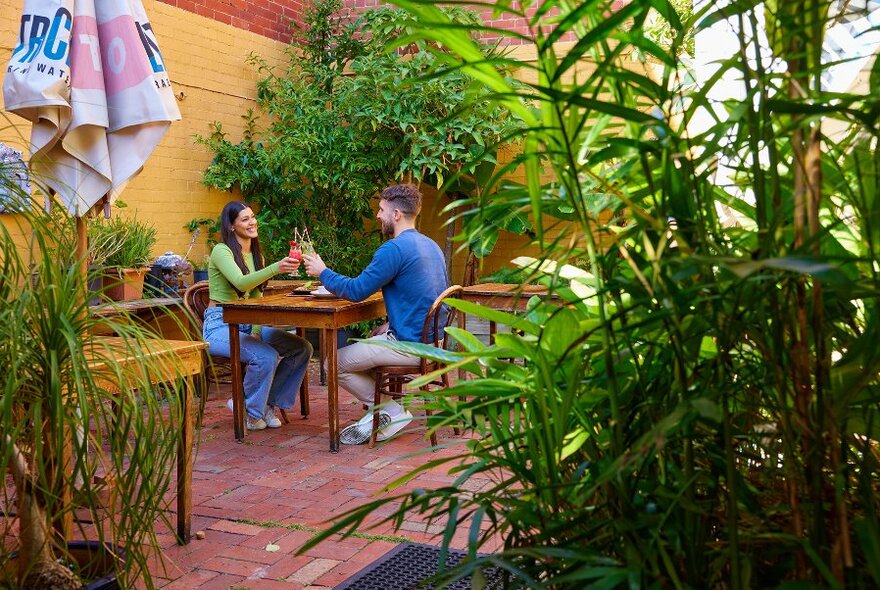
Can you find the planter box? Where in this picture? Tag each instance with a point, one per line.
(124, 284)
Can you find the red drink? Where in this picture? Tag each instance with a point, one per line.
(295, 252)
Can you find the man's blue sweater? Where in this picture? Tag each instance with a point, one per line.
(411, 271)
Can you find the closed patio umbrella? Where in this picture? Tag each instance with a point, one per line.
(90, 77)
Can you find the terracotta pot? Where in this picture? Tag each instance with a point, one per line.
(124, 284)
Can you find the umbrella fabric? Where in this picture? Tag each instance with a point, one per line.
(91, 78)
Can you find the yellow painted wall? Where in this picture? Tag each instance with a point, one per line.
(206, 61)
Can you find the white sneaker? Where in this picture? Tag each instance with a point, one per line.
(359, 432)
(255, 423)
(367, 418)
(396, 424)
(270, 418)
(252, 423)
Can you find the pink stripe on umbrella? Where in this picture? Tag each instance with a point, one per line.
(125, 62)
(85, 55)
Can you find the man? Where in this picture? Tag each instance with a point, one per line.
(411, 272)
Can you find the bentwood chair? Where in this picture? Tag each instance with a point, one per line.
(196, 300)
(390, 380)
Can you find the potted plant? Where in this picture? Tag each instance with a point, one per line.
(126, 263)
(68, 431)
(102, 245)
(199, 269)
(211, 227)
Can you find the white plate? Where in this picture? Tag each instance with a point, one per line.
(324, 295)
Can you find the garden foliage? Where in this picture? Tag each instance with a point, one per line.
(356, 107)
(97, 440)
(702, 412)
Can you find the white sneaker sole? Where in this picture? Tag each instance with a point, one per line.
(394, 426)
(358, 434)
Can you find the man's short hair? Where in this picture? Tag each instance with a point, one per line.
(405, 197)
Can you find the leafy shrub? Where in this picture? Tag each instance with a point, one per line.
(350, 114)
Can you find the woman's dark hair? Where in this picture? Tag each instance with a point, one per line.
(230, 213)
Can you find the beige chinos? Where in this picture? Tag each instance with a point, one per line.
(357, 361)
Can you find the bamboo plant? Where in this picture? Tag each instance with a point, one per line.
(91, 453)
(702, 411)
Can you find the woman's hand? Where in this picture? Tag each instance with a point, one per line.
(314, 265)
(288, 264)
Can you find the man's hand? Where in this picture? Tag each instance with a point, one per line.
(314, 265)
(288, 264)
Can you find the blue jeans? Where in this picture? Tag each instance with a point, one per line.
(276, 364)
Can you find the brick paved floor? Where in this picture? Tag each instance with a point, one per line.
(258, 501)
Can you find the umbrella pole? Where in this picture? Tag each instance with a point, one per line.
(82, 247)
(64, 525)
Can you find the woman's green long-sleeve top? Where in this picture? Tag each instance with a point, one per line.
(224, 276)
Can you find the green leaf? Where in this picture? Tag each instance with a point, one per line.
(804, 265)
(572, 443)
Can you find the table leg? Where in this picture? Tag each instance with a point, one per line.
(237, 387)
(322, 342)
(184, 462)
(462, 324)
(332, 388)
(304, 388)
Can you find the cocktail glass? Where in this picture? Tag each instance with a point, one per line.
(295, 250)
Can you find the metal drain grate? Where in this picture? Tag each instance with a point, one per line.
(407, 565)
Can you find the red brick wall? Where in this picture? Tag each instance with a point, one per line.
(507, 21)
(269, 18)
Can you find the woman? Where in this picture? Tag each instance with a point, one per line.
(276, 359)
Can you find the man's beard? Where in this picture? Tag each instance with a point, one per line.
(387, 229)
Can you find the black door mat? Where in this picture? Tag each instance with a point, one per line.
(407, 565)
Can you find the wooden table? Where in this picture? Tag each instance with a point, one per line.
(165, 316)
(501, 296)
(187, 361)
(302, 311)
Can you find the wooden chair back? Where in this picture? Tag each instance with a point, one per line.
(439, 317)
(390, 380)
(196, 299)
